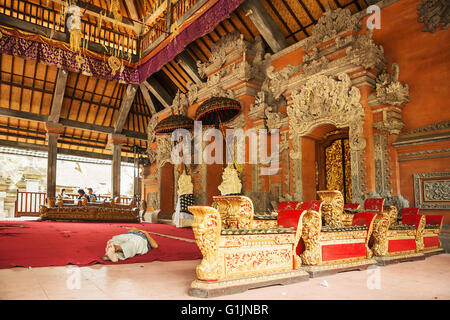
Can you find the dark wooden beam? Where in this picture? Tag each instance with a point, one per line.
(23, 115)
(58, 96)
(188, 63)
(125, 107)
(265, 25)
(159, 92)
(147, 98)
(70, 152)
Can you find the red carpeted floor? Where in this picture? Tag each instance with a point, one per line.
(45, 243)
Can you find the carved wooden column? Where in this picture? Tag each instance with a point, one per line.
(53, 132)
(115, 142)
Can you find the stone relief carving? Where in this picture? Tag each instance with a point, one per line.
(274, 120)
(277, 81)
(193, 90)
(153, 200)
(431, 190)
(151, 129)
(164, 150)
(436, 190)
(326, 100)
(238, 122)
(390, 90)
(432, 127)
(435, 14)
(230, 42)
(393, 125)
(180, 104)
(382, 169)
(331, 24)
(365, 52)
(321, 100)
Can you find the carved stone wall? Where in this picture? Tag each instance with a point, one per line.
(328, 100)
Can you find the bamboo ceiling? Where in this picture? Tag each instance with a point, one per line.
(28, 86)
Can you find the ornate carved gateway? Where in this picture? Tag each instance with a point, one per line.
(328, 100)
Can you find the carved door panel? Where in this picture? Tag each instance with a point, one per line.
(334, 165)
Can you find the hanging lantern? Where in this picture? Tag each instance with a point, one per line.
(217, 110)
(74, 27)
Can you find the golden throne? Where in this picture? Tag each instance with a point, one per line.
(237, 256)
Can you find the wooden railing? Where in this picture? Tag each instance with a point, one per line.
(49, 16)
(157, 21)
(28, 203)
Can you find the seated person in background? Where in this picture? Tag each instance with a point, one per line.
(82, 194)
(92, 197)
(127, 245)
(63, 195)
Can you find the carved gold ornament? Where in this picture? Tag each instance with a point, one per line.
(310, 234)
(80, 60)
(332, 208)
(115, 64)
(115, 9)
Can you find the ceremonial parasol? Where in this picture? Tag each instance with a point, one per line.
(172, 123)
(217, 110)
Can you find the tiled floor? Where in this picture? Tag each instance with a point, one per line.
(426, 279)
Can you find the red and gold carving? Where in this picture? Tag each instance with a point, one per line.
(332, 208)
(242, 253)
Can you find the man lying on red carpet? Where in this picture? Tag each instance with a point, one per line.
(129, 244)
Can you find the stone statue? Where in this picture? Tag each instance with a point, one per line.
(231, 184)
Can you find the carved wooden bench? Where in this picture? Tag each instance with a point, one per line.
(329, 247)
(431, 231)
(236, 256)
(392, 241)
(90, 211)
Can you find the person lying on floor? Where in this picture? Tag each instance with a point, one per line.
(127, 245)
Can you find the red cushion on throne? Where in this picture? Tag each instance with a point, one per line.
(287, 205)
(311, 205)
(411, 219)
(409, 211)
(289, 218)
(434, 219)
(351, 206)
(363, 219)
(374, 204)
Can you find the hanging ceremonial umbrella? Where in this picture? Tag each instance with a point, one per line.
(172, 123)
(217, 110)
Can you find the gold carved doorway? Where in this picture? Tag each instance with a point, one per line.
(334, 165)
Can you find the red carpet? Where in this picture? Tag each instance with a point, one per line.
(45, 243)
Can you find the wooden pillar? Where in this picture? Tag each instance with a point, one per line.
(115, 142)
(53, 132)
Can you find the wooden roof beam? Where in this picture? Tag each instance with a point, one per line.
(159, 92)
(147, 98)
(265, 25)
(58, 96)
(30, 116)
(125, 107)
(188, 63)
